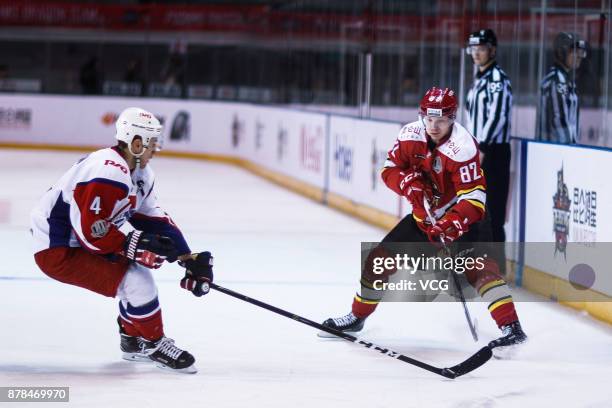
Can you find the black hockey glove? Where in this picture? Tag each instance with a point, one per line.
(150, 250)
(198, 273)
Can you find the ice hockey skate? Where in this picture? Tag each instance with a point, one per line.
(167, 356)
(163, 352)
(349, 323)
(132, 347)
(506, 346)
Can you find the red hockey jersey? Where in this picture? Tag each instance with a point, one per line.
(451, 168)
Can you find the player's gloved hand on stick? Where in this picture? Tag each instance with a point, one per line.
(150, 250)
(198, 274)
(448, 228)
(415, 190)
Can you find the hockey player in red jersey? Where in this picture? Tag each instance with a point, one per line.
(436, 159)
(78, 241)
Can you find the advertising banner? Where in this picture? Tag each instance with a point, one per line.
(567, 198)
(358, 149)
(288, 142)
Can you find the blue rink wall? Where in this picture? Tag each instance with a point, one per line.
(336, 160)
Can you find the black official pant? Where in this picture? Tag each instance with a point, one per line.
(496, 166)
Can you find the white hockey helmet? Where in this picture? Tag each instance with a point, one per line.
(134, 122)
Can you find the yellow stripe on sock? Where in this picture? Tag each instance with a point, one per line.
(366, 302)
(499, 303)
(367, 284)
(490, 285)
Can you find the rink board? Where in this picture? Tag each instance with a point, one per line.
(565, 202)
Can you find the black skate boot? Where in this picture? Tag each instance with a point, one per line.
(167, 356)
(350, 324)
(131, 346)
(505, 346)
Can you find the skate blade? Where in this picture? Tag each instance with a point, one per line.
(136, 357)
(326, 335)
(187, 370)
(507, 352)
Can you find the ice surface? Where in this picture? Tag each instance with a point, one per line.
(283, 249)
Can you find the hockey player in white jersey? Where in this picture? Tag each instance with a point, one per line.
(78, 241)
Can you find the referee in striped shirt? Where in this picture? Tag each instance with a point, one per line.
(558, 109)
(489, 104)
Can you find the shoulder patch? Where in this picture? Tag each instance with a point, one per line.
(461, 146)
(99, 228)
(412, 131)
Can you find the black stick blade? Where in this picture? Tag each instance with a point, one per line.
(476, 360)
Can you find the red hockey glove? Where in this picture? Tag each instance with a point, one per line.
(448, 228)
(414, 190)
(150, 250)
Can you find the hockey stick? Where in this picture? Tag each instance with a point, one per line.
(473, 362)
(471, 325)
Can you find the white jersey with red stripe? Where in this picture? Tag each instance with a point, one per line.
(93, 199)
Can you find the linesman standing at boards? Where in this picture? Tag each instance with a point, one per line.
(489, 104)
(558, 110)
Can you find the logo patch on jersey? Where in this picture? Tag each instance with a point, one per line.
(452, 148)
(99, 228)
(495, 87)
(112, 163)
(562, 89)
(437, 165)
(140, 184)
(410, 133)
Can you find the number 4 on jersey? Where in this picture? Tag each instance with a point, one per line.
(95, 204)
(466, 175)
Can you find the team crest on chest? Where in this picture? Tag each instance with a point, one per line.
(437, 164)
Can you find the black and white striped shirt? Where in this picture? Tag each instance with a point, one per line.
(489, 104)
(558, 109)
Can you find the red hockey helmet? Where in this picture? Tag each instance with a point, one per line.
(439, 102)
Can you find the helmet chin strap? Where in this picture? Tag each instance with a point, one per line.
(137, 155)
